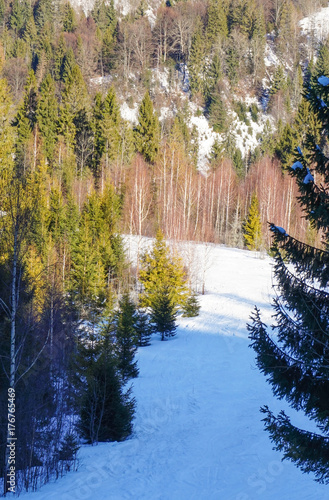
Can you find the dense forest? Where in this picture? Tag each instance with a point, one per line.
(75, 176)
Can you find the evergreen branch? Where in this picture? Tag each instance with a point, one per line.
(308, 450)
(290, 378)
(310, 262)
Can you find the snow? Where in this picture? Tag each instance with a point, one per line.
(198, 433)
(129, 114)
(317, 24)
(296, 165)
(324, 81)
(308, 177)
(271, 59)
(278, 229)
(206, 138)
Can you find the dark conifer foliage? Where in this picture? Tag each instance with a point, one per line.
(295, 358)
(143, 328)
(163, 313)
(106, 409)
(126, 338)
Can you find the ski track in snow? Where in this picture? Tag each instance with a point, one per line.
(198, 433)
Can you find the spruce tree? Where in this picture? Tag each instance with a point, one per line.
(126, 338)
(163, 312)
(147, 132)
(322, 62)
(192, 307)
(47, 115)
(106, 410)
(196, 63)
(216, 22)
(143, 328)
(295, 358)
(217, 112)
(160, 269)
(252, 228)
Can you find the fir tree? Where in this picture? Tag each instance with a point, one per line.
(147, 132)
(126, 338)
(252, 228)
(295, 359)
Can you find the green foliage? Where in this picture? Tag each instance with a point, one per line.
(254, 112)
(232, 63)
(47, 115)
(216, 22)
(279, 81)
(241, 110)
(322, 62)
(69, 448)
(126, 338)
(192, 306)
(294, 357)
(147, 132)
(163, 312)
(216, 153)
(252, 227)
(286, 146)
(106, 411)
(69, 20)
(217, 111)
(160, 269)
(196, 63)
(143, 328)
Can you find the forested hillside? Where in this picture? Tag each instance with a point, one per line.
(179, 119)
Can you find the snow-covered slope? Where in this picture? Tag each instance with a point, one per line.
(198, 433)
(317, 24)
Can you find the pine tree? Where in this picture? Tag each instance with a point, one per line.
(126, 338)
(295, 358)
(252, 228)
(147, 132)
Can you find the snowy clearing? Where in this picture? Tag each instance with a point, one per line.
(198, 433)
(317, 23)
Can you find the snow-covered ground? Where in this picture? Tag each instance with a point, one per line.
(316, 24)
(198, 433)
